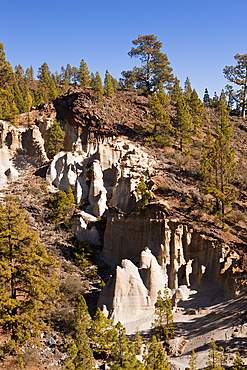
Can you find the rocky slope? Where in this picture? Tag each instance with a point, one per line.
(102, 161)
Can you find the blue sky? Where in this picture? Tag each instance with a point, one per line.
(199, 37)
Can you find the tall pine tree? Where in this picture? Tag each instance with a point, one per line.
(28, 279)
(182, 121)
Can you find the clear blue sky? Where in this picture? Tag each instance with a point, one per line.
(199, 37)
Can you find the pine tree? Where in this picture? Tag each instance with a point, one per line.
(163, 323)
(27, 283)
(55, 139)
(215, 101)
(102, 334)
(159, 118)
(30, 73)
(155, 359)
(206, 97)
(218, 167)
(144, 195)
(196, 110)
(98, 88)
(6, 72)
(13, 113)
(238, 363)
(182, 120)
(231, 96)
(238, 75)
(122, 352)
(108, 86)
(187, 90)
(214, 357)
(192, 361)
(75, 73)
(18, 98)
(81, 355)
(138, 343)
(155, 67)
(61, 204)
(92, 80)
(83, 74)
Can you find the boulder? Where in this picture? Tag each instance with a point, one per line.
(84, 228)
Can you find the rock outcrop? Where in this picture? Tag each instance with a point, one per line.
(105, 173)
(21, 150)
(177, 256)
(185, 252)
(84, 228)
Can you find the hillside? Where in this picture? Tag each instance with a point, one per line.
(112, 135)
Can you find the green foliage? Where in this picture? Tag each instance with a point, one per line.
(84, 252)
(218, 167)
(187, 90)
(192, 361)
(155, 359)
(143, 194)
(98, 88)
(206, 97)
(27, 283)
(238, 75)
(182, 122)
(238, 363)
(80, 353)
(122, 352)
(196, 110)
(47, 86)
(108, 86)
(159, 119)
(83, 74)
(155, 67)
(61, 205)
(138, 343)
(55, 139)
(103, 334)
(216, 358)
(163, 323)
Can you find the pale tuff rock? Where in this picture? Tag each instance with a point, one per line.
(182, 252)
(63, 171)
(97, 191)
(84, 229)
(131, 294)
(116, 168)
(21, 150)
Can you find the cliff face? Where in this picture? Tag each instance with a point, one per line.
(21, 150)
(107, 173)
(168, 252)
(173, 243)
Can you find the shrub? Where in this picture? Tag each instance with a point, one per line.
(144, 194)
(71, 287)
(61, 204)
(84, 251)
(164, 187)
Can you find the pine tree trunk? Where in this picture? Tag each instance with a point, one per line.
(245, 93)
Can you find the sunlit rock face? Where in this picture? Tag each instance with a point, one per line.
(105, 173)
(176, 256)
(182, 250)
(21, 151)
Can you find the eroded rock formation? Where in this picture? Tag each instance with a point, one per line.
(105, 173)
(21, 150)
(176, 256)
